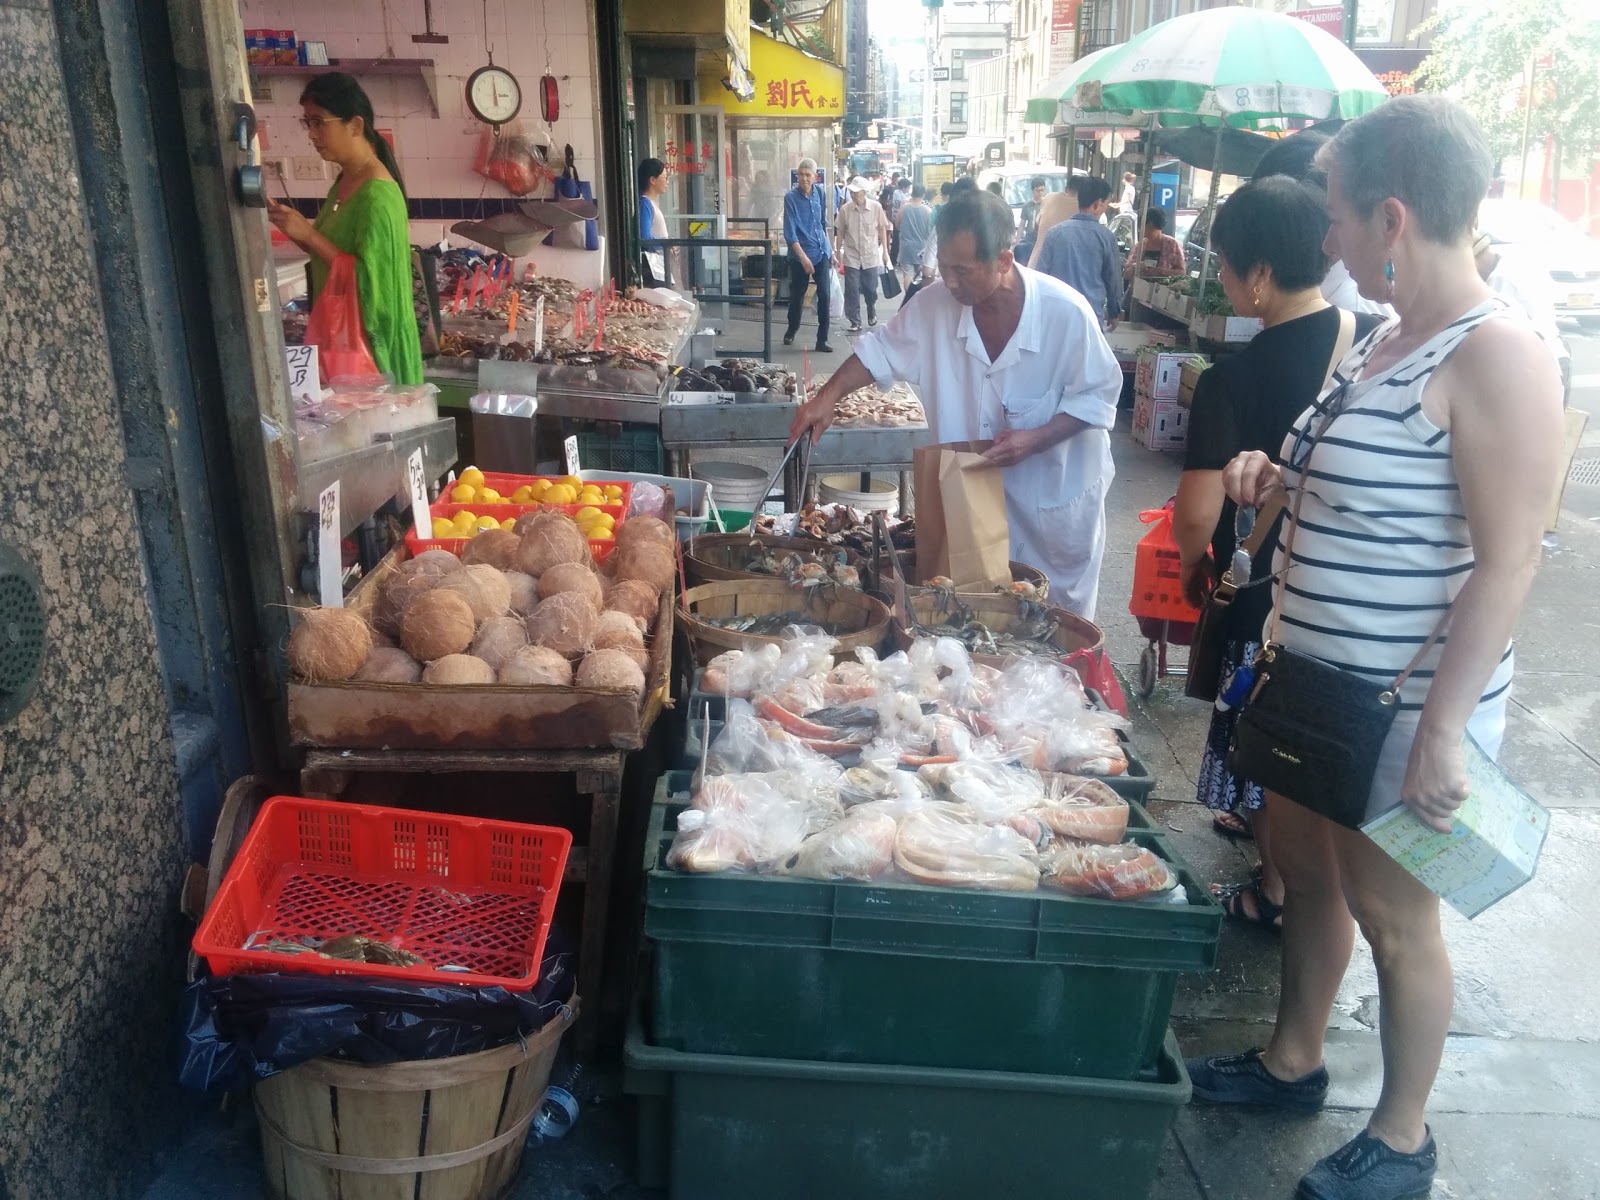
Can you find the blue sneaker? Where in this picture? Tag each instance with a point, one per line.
(1365, 1168)
(1241, 1079)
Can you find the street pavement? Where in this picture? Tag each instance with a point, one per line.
(1517, 1106)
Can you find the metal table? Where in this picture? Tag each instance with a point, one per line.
(372, 475)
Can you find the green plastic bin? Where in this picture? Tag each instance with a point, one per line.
(714, 1126)
(776, 967)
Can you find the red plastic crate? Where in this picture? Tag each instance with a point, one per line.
(449, 508)
(467, 894)
(506, 483)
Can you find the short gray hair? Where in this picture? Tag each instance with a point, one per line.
(807, 164)
(984, 215)
(1426, 152)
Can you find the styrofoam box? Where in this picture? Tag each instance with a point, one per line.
(1159, 424)
(1218, 328)
(1159, 373)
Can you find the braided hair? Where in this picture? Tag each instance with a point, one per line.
(341, 96)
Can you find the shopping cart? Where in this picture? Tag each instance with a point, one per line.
(1165, 617)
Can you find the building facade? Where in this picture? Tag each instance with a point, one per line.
(965, 35)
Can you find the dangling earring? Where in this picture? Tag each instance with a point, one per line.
(1255, 300)
(1388, 274)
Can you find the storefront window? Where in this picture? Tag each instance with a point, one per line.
(958, 108)
(762, 159)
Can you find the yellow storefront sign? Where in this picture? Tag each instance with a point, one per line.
(788, 83)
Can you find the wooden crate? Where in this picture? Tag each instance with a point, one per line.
(866, 619)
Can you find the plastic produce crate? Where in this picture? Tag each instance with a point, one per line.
(630, 450)
(903, 973)
(416, 543)
(473, 897)
(714, 1126)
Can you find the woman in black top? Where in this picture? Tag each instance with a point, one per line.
(1268, 238)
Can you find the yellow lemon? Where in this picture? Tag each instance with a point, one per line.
(442, 528)
(509, 524)
(572, 481)
(472, 477)
(488, 496)
(464, 518)
(588, 514)
(487, 523)
(607, 520)
(613, 491)
(600, 534)
(523, 495)
(463, 493)
(560, 494)
(539, 487)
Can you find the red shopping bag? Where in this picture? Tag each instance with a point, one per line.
(1158, 572)
(335, 326)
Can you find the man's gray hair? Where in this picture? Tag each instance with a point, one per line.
(1425, 151)
(807, 164)
(984, 215)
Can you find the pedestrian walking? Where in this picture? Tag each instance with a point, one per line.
(1419, 484)
(1083, 254)
(1028, 221)
(810, 256)
(914, 228)
(861, 250)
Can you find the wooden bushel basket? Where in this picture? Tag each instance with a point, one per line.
(443, 1129)
(863, 620)
(713, 557)
(999, 613)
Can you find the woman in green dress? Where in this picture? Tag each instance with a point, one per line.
(364, 215)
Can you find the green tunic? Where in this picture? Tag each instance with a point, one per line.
(372, 226)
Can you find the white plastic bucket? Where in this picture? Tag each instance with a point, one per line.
(734, 485)
(846, 489)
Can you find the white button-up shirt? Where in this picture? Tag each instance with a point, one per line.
(860, 231)
(1056, 362)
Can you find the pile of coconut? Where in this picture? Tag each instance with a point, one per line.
(517, 607)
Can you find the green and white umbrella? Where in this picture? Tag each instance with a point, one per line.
(1054, 104)
(1230, 66)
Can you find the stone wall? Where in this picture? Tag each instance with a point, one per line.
(90, 835)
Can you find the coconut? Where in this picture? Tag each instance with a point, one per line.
(380, 638)
(610, 669)
(564, 623)
(498, 639)
(649, 561)
(551, 539)
(524, 592)
(431, 562)
(389, 664)
(329, 643)
(497, 547)
(571, 577)
(396, 594)
(437, 624)
(458, 669)
(617, 631)
(637, 599)
(636, 530)
(536, 665)
(483, 587)
(639, 655)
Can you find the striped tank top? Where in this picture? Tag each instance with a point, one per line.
(1383, 546)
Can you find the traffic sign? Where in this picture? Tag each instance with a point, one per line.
(941, 74)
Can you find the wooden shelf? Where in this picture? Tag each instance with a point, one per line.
(418, 68)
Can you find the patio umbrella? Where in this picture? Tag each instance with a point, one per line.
(1231, 66)
(1054, 103)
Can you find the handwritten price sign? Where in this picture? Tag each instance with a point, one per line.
(305, 379)
(417, 480)
(330, 565)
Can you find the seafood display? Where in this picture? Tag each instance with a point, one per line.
(1032, 633)
(924, 766)
(872, 405)
(839, 524)
(742, 376)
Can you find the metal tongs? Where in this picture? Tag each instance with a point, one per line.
(805, 470)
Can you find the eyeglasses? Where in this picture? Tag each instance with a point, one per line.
(1305, 441)
(310, 123)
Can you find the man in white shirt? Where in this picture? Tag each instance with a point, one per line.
(860, 247)
(1001, 352)
(1129, 192)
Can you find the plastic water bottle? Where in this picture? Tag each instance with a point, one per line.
(1237, 688)
(558, 1108)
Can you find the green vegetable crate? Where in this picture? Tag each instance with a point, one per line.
(904, 974)
(715, 1126)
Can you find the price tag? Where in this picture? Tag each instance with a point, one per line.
(538, 325)
(330, 564)
(571, 445)
(417, 480)
(305, 381)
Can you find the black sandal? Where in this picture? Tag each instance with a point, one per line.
(1232, 898)
(1242, 832)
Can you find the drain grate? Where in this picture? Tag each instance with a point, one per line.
(1585, 471)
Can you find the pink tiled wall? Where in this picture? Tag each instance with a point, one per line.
(529, 37)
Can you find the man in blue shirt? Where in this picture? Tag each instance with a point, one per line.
(1082, 253)
(810, 255)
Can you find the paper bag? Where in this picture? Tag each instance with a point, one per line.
(962, 531)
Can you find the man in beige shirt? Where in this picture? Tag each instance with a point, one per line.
(861, 247)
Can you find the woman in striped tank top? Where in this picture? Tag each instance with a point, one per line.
(1439, 448)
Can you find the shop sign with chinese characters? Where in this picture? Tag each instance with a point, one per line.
(689, 159)
(788, 83)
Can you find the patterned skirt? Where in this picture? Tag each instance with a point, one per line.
(1219, 787)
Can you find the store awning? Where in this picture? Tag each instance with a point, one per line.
(719, 30)
(787, 84)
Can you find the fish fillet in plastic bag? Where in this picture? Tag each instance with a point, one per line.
(1113, 872)
(1085, 809)
(861, 847)
(938, 844)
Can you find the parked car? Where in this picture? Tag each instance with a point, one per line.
(1524, 230)
(1016, 182)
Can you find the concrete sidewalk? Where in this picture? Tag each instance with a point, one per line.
(1517, 1106)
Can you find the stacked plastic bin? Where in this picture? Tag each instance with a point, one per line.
(801, 1038)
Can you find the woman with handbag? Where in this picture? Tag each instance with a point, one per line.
(1417, 488)
(1268, 239)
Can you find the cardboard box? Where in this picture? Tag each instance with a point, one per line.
(1218, 328)
(1159, 424)
(1132, 336)
(1491, 850)
(1159, 373)
(1189, 378)
(1144, 290)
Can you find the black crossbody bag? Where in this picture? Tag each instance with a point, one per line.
(1311, 732)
